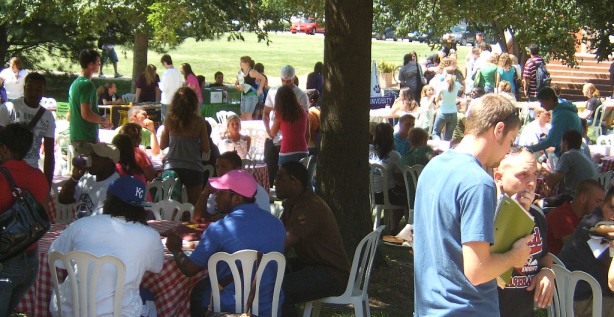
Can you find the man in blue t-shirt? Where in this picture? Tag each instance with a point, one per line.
(244, 227)
(454, 219)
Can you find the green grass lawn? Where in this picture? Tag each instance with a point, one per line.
(206, 57)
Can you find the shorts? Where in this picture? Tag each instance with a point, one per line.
(248, 103)
(109, 54)
(189, 177)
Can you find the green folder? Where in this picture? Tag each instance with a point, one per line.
(512, 222)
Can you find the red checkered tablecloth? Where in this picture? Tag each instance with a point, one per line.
(261, 174)
(170, 287)
(607, 163)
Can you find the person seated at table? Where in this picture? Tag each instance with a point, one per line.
(537, 129)
(420, 153)
(593, 101)
(404, 103)
(147, 89)
(205, 206)
(564, 117)
(233, 140)
(122, 221)
(591, 255)
(401, 144)
(91, 177)
(219, 81)
(201, 80)
(564, 219)
(133, 131)
(571, 168)
(106, 95)
(149, 138)
(19, 272)
(505, 89)
(245, 226)
(320, 268)
(382, 152)
(127, 164)
(533, 284)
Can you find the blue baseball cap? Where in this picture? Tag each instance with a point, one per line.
(130, 190)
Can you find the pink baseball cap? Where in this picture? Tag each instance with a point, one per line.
(239, 181)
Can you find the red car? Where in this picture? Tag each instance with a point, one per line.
(309, 26)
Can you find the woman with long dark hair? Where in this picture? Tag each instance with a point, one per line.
(291, 120)
(191, 80)
(186, 136)
(133, 131)
(19, 272)
(147, 89)
(127, 164)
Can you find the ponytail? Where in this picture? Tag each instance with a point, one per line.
(450, 79)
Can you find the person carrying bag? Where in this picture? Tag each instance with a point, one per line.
(24, 193)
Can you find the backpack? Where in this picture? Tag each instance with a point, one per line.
(542, 76)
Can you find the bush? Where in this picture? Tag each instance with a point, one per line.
(59, 84)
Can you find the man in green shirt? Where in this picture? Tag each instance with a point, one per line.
(84, 114)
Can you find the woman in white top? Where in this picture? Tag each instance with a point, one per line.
(13, 78)
(427, 107)
(233, 140)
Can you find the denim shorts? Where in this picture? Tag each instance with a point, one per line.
(248, 103)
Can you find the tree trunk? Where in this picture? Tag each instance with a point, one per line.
(4, 44)
(343, 169)
(139, 63)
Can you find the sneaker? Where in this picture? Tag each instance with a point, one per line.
(100, 74)
(117, 75)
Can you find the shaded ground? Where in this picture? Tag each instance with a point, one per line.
(391, 287)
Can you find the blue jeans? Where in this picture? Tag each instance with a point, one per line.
(16, 277)
(163, 108)
(291, 157)
(449, 120)
(307, 283)
(489, 89)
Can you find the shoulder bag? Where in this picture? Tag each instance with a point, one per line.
(24, 223)
(250, 298)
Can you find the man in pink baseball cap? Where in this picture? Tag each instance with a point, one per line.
(245, 226)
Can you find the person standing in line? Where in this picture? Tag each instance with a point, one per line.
(147, 89)
(84, 114)
(25, 110)
(169, 83)
(250, 83)
(454, 212)
(13, 79)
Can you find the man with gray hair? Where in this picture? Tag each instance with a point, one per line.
(272, 146)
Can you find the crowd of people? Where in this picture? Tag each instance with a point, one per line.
(454, 202)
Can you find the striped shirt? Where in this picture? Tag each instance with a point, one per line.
(530, 71)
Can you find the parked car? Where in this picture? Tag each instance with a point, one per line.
(417, 36)
(309, 26)
(388, 33)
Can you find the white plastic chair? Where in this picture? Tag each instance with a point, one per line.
(249, 165)
(605, 139)
(169, 209)
(223, 115)
(164, 188)
(356, 290)
(83, 273)
(410, 176)
(604, 179)
(378, 169)
(128, 98)
(598, 118)
(247, 259)
(562, 305)
(209, 169)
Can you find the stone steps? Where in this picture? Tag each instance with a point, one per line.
(588, 70)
